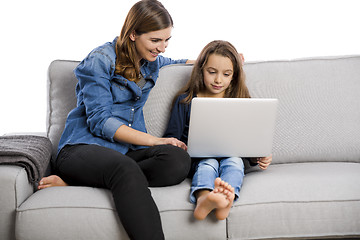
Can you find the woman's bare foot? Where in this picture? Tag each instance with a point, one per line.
(228, 190)
(210, 200)
(51, 181)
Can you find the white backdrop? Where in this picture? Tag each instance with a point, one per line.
(33, 33)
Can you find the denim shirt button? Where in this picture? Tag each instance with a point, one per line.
(137, 98)
(129, 124)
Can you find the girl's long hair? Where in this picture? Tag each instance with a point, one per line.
(145, 16)
(237, 87)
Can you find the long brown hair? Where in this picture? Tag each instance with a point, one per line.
(145, 16)
(237, 87)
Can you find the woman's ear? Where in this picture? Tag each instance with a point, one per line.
(133, 36)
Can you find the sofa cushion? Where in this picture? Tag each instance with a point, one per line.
(61, 98)
(319, 110)
(300, 199)
(71, 212)
(157, 108)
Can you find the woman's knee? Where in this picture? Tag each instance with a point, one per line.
(177, 165)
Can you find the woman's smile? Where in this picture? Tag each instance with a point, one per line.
(154, 54)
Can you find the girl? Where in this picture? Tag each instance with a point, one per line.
(216, 182)
(104, 143)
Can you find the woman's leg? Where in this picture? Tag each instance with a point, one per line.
(163, 165)
(96, 166)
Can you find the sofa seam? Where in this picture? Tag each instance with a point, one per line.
(15, 188)
(298, 202)
(178, 210)
(42, 208)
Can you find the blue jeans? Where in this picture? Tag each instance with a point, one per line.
(231, 170)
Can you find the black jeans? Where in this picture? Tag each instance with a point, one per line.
(128, 178)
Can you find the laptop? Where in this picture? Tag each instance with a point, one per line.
(232, 127)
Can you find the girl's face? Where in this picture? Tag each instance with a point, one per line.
(150, 45)
(218, 73)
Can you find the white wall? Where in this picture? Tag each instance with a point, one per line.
(33, 33)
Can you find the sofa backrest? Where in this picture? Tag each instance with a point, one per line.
(319, 107)
(61, 98)
(319, 104)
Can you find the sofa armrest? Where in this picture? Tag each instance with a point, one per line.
(15, 188)
(33, 152)
(41, 134)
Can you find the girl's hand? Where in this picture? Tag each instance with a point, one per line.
(171, 141)
(264, 162)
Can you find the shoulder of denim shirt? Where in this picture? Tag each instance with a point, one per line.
(107, 53)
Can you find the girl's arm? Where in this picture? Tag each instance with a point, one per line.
(132, 136)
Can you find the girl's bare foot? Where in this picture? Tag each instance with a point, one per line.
(228, 190)
(210, 200)
(51, 181)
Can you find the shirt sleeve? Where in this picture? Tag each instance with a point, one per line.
(178, 121)
(94, 75)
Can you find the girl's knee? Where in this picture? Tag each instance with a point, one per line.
(233, 161)
(209, 163)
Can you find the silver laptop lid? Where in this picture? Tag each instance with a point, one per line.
(227, 127)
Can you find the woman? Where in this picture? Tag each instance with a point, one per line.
(104, 143)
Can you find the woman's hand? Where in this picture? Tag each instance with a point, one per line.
(171, 141)
(132, 136)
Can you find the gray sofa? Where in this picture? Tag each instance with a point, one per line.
(312, 189)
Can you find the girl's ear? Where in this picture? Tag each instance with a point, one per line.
(133, 36)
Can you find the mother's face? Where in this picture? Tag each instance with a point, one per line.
(150, 45)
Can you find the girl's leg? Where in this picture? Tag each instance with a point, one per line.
(163, 165)
(96, 166)
(206, 190)
(231, 170)
(206, 171)
(232, 174)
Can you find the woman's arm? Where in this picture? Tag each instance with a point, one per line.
(132, 136)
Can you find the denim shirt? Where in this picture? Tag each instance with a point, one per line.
(106, 101)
